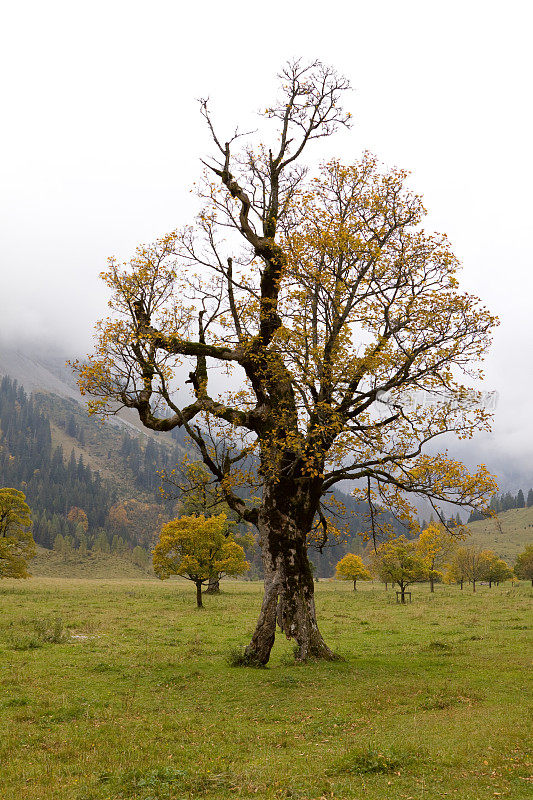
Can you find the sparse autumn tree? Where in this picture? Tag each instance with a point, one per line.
(470, 563)
(16, 541)
(456, 571)
(351, 568)
(197, 547)
(523, 567)
(435, 544)
(337, 314)
(398, 561)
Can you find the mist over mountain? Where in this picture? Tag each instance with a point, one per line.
(38, 368)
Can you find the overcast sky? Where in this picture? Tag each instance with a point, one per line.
(101, 139)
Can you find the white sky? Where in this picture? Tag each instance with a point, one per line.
(101, 139)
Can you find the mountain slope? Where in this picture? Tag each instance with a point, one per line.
(507, 535)
(96, 565)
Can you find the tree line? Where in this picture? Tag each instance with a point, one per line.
(505, 502)
(435, 557)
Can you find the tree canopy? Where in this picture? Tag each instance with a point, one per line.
(341, 322)
(398, 561)
(198, 548)
(16, 541)
(351, 568)
(496, 570)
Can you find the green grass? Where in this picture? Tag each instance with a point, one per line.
(130, 695)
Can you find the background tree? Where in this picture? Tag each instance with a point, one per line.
(82, 547)
(520, 502)
(78, 517)
(101, 542)
(351, 568)
(199, 493)
(471, 564)
(399, 562)
(435, 544)
(456, 571)
(136, 520)
(496, 570)
(197, 547)
(523, 567)
(140, 557)
(332, 307)
(16, 541)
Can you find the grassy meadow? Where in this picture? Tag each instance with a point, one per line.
(130, 697)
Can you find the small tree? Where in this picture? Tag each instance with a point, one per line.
(199, 493)
(471, 564)
(399, 562)
(523, 567)
(101, 542)
(16, 541)
(455, 572)
(82, 548)
(351, 568)
(196, 548)
(496, 569)
(140, 557)
(435, 545)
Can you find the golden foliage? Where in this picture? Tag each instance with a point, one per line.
(78, 517)
(398, 561)
(351, 568)
(16, 541)
(198, 548)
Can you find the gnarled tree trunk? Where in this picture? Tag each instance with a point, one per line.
(289, 587)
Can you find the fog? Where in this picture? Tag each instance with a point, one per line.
(102, 141)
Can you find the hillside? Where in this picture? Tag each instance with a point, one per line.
(62, 461)
(47, 371)
(507, 535)
(50, 564)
